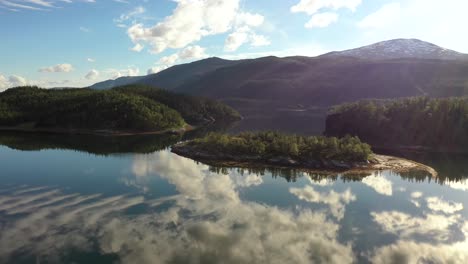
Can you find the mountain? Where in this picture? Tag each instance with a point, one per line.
(295, 92)
(117, 82)
(326, 81)
(401, 48)
(171, 77)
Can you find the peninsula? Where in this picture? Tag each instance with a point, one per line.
(134, 109)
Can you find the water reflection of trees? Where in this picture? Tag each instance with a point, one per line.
(99, 145)
(450, 167)
(102, 145)
(292, 175)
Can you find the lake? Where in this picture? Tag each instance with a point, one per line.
(85, 199)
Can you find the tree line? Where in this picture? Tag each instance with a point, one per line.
(195, 110)
(273, 144)
(440, 123)
(125, 108)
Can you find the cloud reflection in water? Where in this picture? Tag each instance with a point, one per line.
(208, 221)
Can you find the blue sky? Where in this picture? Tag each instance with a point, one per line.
(79, 42)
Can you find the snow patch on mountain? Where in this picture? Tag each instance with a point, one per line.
(401, 48)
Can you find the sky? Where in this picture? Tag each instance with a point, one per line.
(75, 43)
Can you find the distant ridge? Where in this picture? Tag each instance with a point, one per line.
(183, 74)
(172, 77)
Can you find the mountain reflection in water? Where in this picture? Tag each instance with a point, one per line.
(162, 208)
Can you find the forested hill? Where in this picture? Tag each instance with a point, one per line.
(195, 110)
(438, 124)
(115, 110)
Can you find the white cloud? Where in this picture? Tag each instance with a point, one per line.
(244, 35)
(322, 182)
(405, 250)
(406, 226)
(130, 17)
(309, 235)
(439, 22)
(248, 19)
(156, 69)
(192, 52)
(132, 14)
(259, 40)
(16, 80)
(35, 5)
(190, 21)
(17, 5)
(307, 50)
(336, 201)
(117, 73)
(90, 60)
(413, 252)
(245, 180)
(235, 40)
(313, 7)
(379, 183)
(414, 198)
(448, 207)
(322, 20)
(169, 60)
(92, 74)
(3, 82)
(185, 232)
(65, 67)
(138, 47)
(12, 81)
(382, 17)
(459, 185)
(189, 53)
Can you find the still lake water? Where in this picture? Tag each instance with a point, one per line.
(71, 199)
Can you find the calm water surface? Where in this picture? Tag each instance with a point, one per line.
(88, 200)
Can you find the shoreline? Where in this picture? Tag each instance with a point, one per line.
(375, 163)
(77, 131)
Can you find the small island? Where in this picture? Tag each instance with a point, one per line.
(274, 149)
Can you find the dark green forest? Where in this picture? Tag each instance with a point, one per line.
(275, 144)
(118, 109)
(195, 110)
(439, 124)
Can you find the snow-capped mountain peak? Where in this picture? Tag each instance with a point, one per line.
(402, 48)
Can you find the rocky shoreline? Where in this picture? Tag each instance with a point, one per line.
(375, 162)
